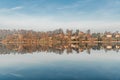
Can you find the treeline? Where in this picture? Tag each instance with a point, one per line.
(28, 33)
(55, 36)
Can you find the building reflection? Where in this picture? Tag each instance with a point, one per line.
(58, 48)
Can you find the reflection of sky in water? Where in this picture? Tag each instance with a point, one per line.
(97, 65)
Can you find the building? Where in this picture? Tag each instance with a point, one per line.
(109, 35)
(117, 35)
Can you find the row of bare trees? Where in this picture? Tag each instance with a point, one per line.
(57, 35)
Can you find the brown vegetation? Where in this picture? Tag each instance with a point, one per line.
(57, 37)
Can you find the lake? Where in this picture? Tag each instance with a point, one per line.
(47, 64)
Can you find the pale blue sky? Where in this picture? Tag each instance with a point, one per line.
(82, 14)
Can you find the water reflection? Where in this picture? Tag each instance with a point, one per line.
(59, 48)
(60, 67)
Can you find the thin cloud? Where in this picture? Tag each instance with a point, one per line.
(17, 8)
(111, 9)
(45, 23)
(11, 9)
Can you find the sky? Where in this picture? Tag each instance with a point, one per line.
(42, 15)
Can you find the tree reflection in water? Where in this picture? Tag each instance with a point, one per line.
(58, 48)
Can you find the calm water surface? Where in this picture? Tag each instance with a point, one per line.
(50, 66)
